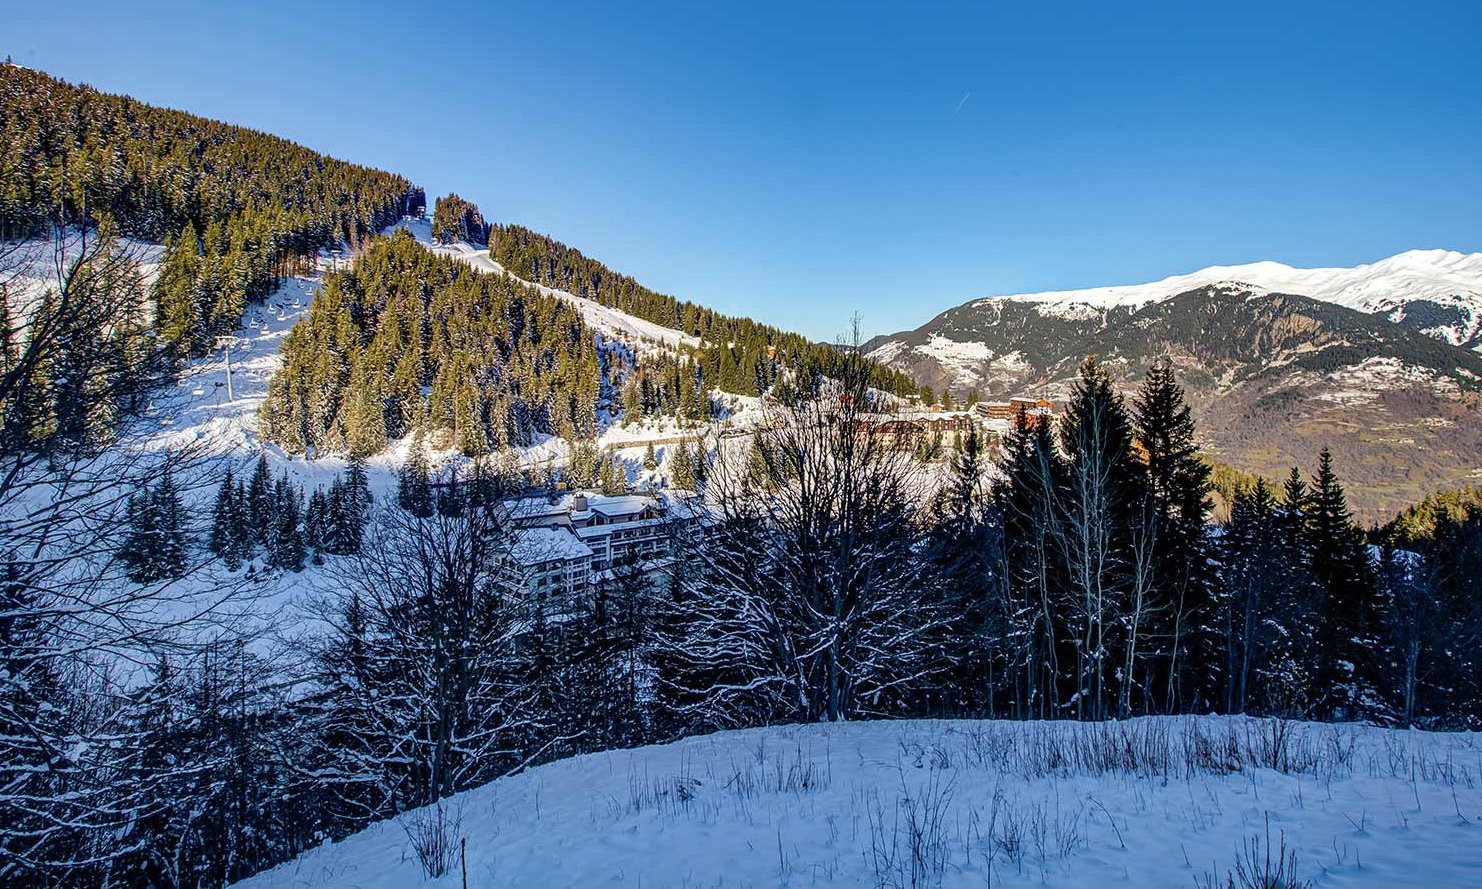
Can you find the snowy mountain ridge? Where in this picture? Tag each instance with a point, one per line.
(1445, 276)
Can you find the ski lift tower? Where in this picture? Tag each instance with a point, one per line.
(226, 343)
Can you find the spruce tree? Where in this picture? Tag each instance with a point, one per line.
(1029, 501)
(1347, 622)
(260, 506)
(136, 551)
(682, 468)
(1103, 499)
(228, 524)
(154, 545)
(612, 476)
(316, 523)
(581, 468)
(1177, 480)
(356, 506)
(287, 549)
(413, 490)
(176, 316)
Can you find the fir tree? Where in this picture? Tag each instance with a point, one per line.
(286, 549)
(228, 539)
(259, 503)
(682, 468)
(413, 490)
(1347, 622)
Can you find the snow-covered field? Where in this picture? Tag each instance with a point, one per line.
(1148, 802)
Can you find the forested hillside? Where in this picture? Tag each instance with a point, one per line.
(407, 339)
(740, 355)
(240, 208)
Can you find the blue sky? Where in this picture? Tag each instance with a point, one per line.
(798, 162)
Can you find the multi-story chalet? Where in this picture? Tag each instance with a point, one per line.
(564, 545)
(905, 429)
(1008, 410)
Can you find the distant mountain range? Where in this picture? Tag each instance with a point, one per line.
(1381, 362)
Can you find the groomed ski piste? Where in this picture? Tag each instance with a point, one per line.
(1158, 801)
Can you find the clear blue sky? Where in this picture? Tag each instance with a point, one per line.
(798, 162)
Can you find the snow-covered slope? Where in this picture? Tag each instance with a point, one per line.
(1149, 802)
(610, 321)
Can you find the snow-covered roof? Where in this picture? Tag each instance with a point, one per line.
(615, 507)
(536, 546)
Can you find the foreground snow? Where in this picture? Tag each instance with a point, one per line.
(1150, 802)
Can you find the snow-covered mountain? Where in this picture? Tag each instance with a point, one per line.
(1436, 292)
(1379, 362)
(1444, 278)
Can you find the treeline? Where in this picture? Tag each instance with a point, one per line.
(408, 340)
(1087, 582)
(240, 208)
(741, 356)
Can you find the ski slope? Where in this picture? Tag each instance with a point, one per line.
(611, 322)
(1148, 802)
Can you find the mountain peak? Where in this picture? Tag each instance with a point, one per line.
(1429, 274)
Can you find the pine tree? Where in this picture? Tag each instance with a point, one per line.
(650, 460)
(1177, 479)
(228, 525)
(260, 507)
(1348, 622)
(413, 490)
(285, 547)
(682, 468)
